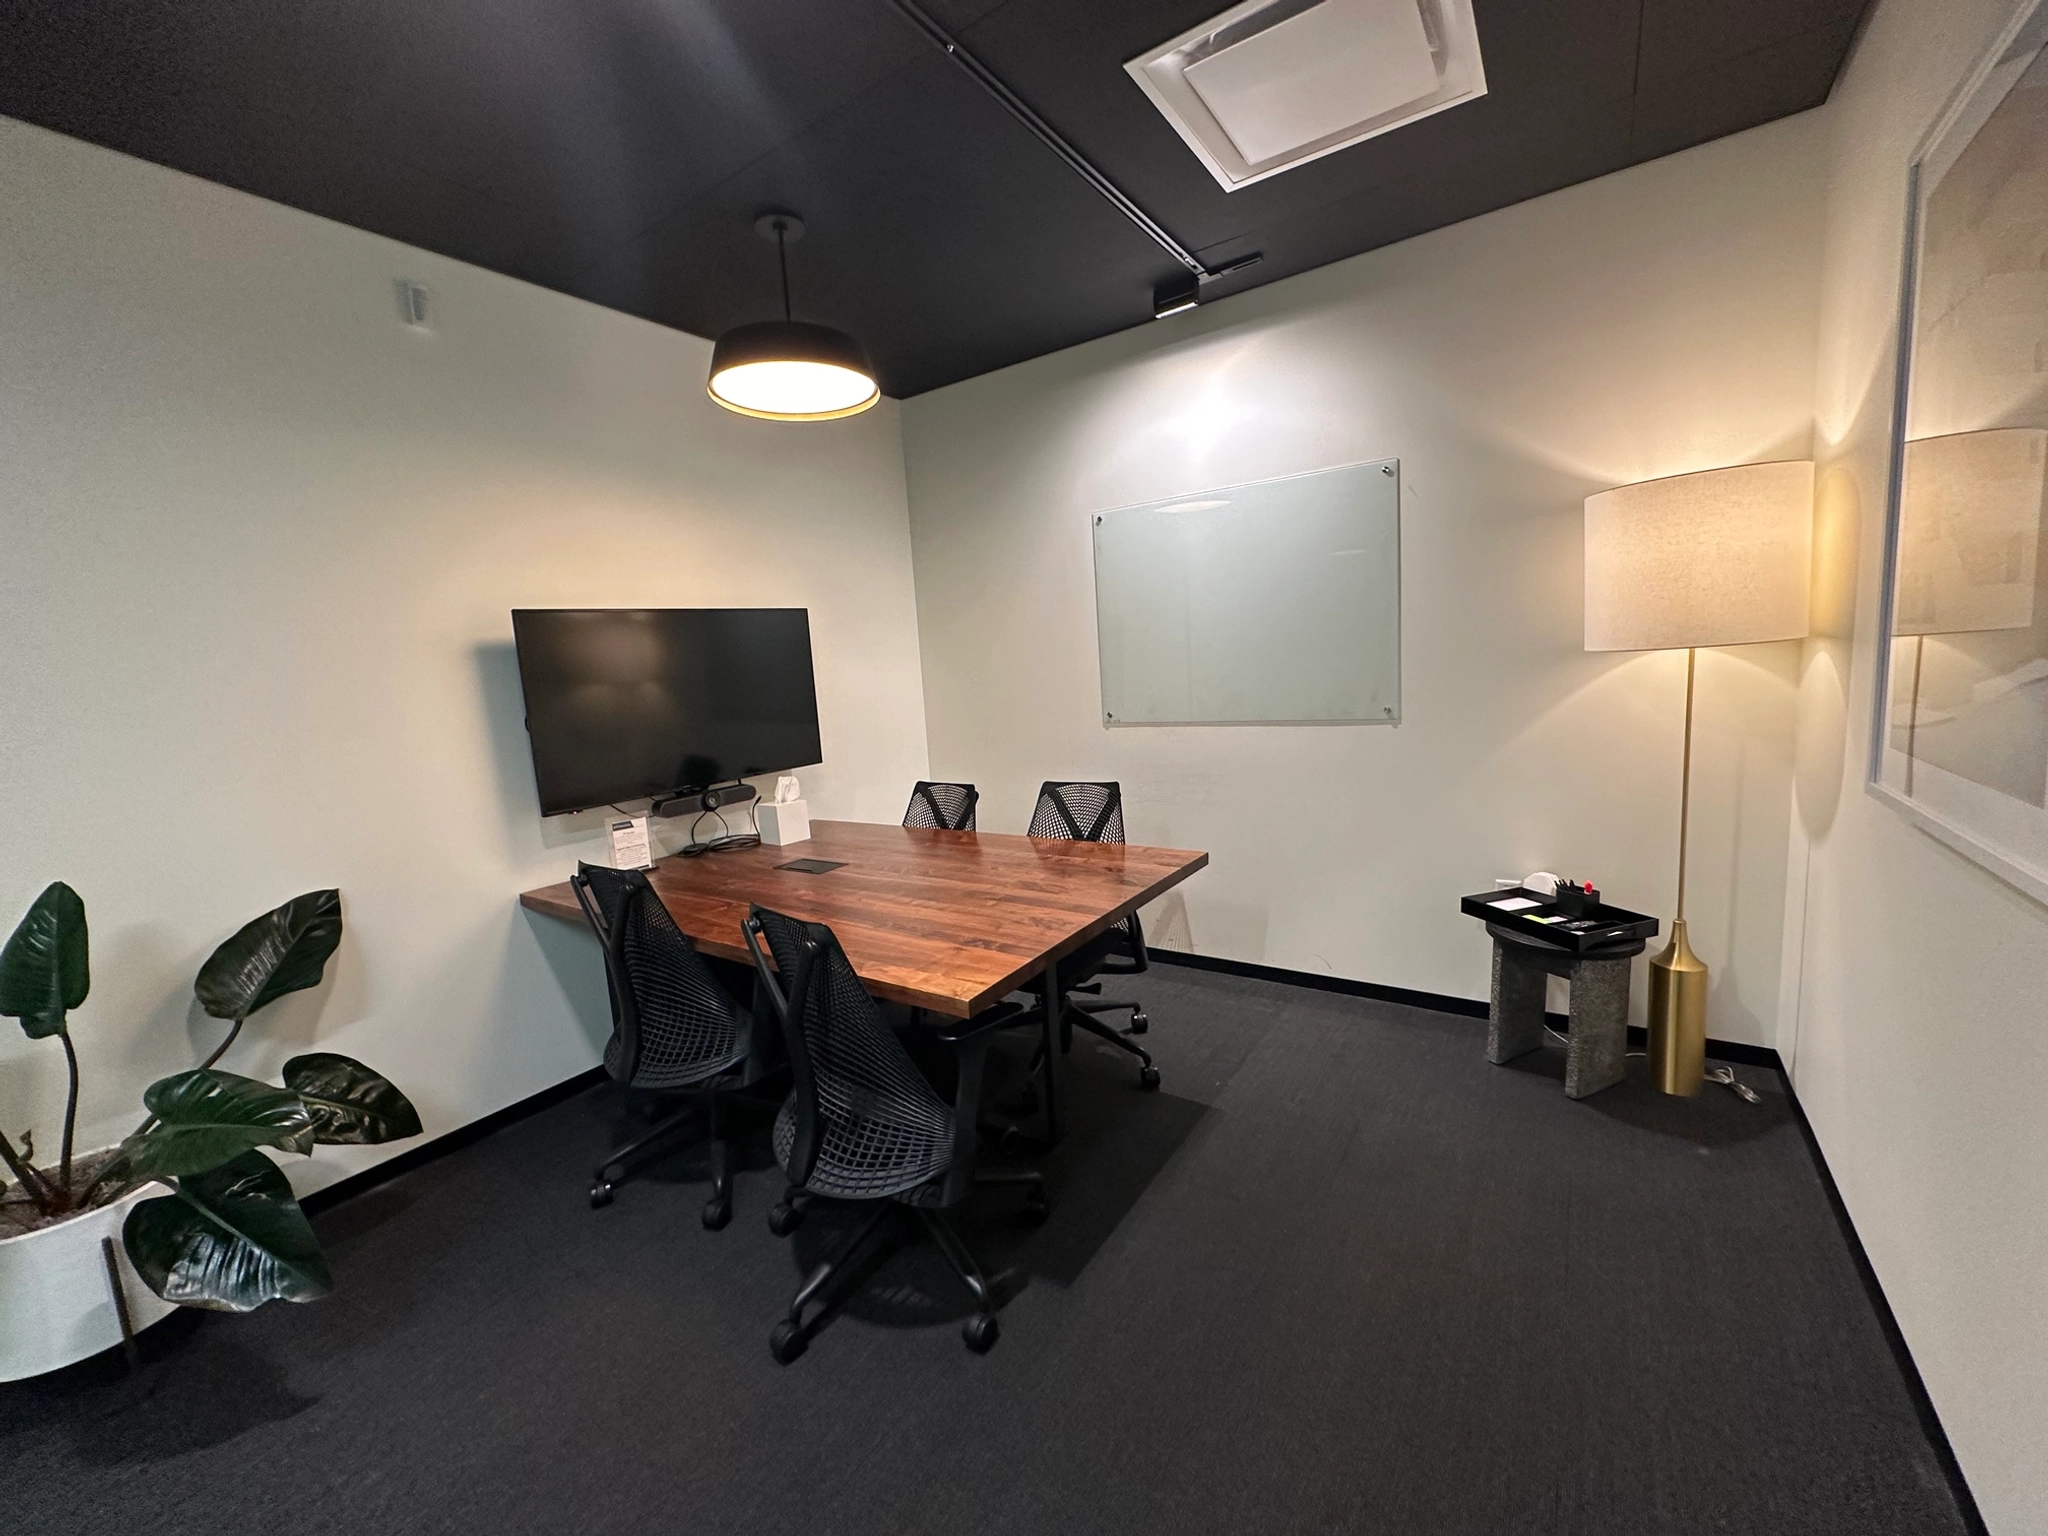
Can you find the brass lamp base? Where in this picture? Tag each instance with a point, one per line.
(1678, 1017)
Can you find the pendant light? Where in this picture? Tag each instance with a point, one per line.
(790, 370)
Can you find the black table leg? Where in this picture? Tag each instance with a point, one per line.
(1052, 1006)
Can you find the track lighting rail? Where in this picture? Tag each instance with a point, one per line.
(1052, 139)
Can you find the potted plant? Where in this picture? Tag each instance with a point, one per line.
(188, 1205)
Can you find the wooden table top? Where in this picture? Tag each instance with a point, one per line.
(949, 921)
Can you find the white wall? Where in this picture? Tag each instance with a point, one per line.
(258, 547)
(1648, 323)
(1917, 1030)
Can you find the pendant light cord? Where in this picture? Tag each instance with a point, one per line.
(782, 260)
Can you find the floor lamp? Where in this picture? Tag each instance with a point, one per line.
(1718, 558)
(1969, 539)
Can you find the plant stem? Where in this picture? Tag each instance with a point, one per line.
(84, 1201)
(30, 1178)
(70, 1112)
(222, 1049)
(149, 1121)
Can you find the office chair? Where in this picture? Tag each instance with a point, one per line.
(861, 1122)
(1094, 813)
(946, 807)
(675, 1029)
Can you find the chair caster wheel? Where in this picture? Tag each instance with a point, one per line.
(1036, 1206)
(787, 1342)
(600, 1195)
(1139, 1023)
(784, 1218)
(1148, 1078)
(717, 1212)
(980, 1332)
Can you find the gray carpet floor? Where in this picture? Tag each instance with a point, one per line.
(1339, 1275)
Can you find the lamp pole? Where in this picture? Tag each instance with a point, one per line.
(1678, 977)
(1685, 778)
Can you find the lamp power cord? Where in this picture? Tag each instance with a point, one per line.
(1724, 1076)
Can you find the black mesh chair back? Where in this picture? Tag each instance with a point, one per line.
(673, 1025)
(1080, 812)
(945, 807)
(861, 1122)
(1085, 812)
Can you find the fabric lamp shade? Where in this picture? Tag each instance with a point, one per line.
(1970, 531)
(1722, 557)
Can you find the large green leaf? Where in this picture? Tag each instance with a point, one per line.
(205, 1117)
(282, 951)
(43, 970)
(229, 1240)
(349, 1103)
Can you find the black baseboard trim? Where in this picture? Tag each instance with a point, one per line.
(1734, 1052)
(462, 1136)
(1731, 1051)
(1895, 1340)
(1439, 1002)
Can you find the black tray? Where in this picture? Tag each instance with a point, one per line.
(1601, 928)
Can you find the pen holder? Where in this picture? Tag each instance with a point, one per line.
(1575, 900)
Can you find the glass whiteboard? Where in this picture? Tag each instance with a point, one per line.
(1272, 603)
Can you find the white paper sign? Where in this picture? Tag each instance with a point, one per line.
(629, 842)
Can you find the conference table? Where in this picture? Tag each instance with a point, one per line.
(950, 922)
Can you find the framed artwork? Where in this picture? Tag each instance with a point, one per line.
(1960, 738)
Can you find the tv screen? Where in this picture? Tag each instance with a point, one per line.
(633, 703)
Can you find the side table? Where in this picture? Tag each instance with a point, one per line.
(1597, 1055)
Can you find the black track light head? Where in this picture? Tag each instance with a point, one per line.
(1170, 298)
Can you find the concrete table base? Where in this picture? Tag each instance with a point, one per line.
(1597, 1055)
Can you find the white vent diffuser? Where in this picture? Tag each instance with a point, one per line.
(1272, 84)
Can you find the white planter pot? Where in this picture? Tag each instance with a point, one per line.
(55, 1308)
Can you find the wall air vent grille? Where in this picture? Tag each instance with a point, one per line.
(1272, 84)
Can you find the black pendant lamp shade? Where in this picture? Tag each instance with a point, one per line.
(790, 370)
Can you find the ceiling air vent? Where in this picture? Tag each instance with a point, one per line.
(1271, 84)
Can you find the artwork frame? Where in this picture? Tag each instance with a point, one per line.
(1959, 725)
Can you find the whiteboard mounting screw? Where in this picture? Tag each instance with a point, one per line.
(1098, 519)
(1386, 469)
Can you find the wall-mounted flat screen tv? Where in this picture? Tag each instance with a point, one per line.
(638, 703)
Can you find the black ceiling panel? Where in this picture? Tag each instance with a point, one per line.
(907, 235)
(620, 149)
(1752, 88)
(1569, 52)
(1682, 37)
